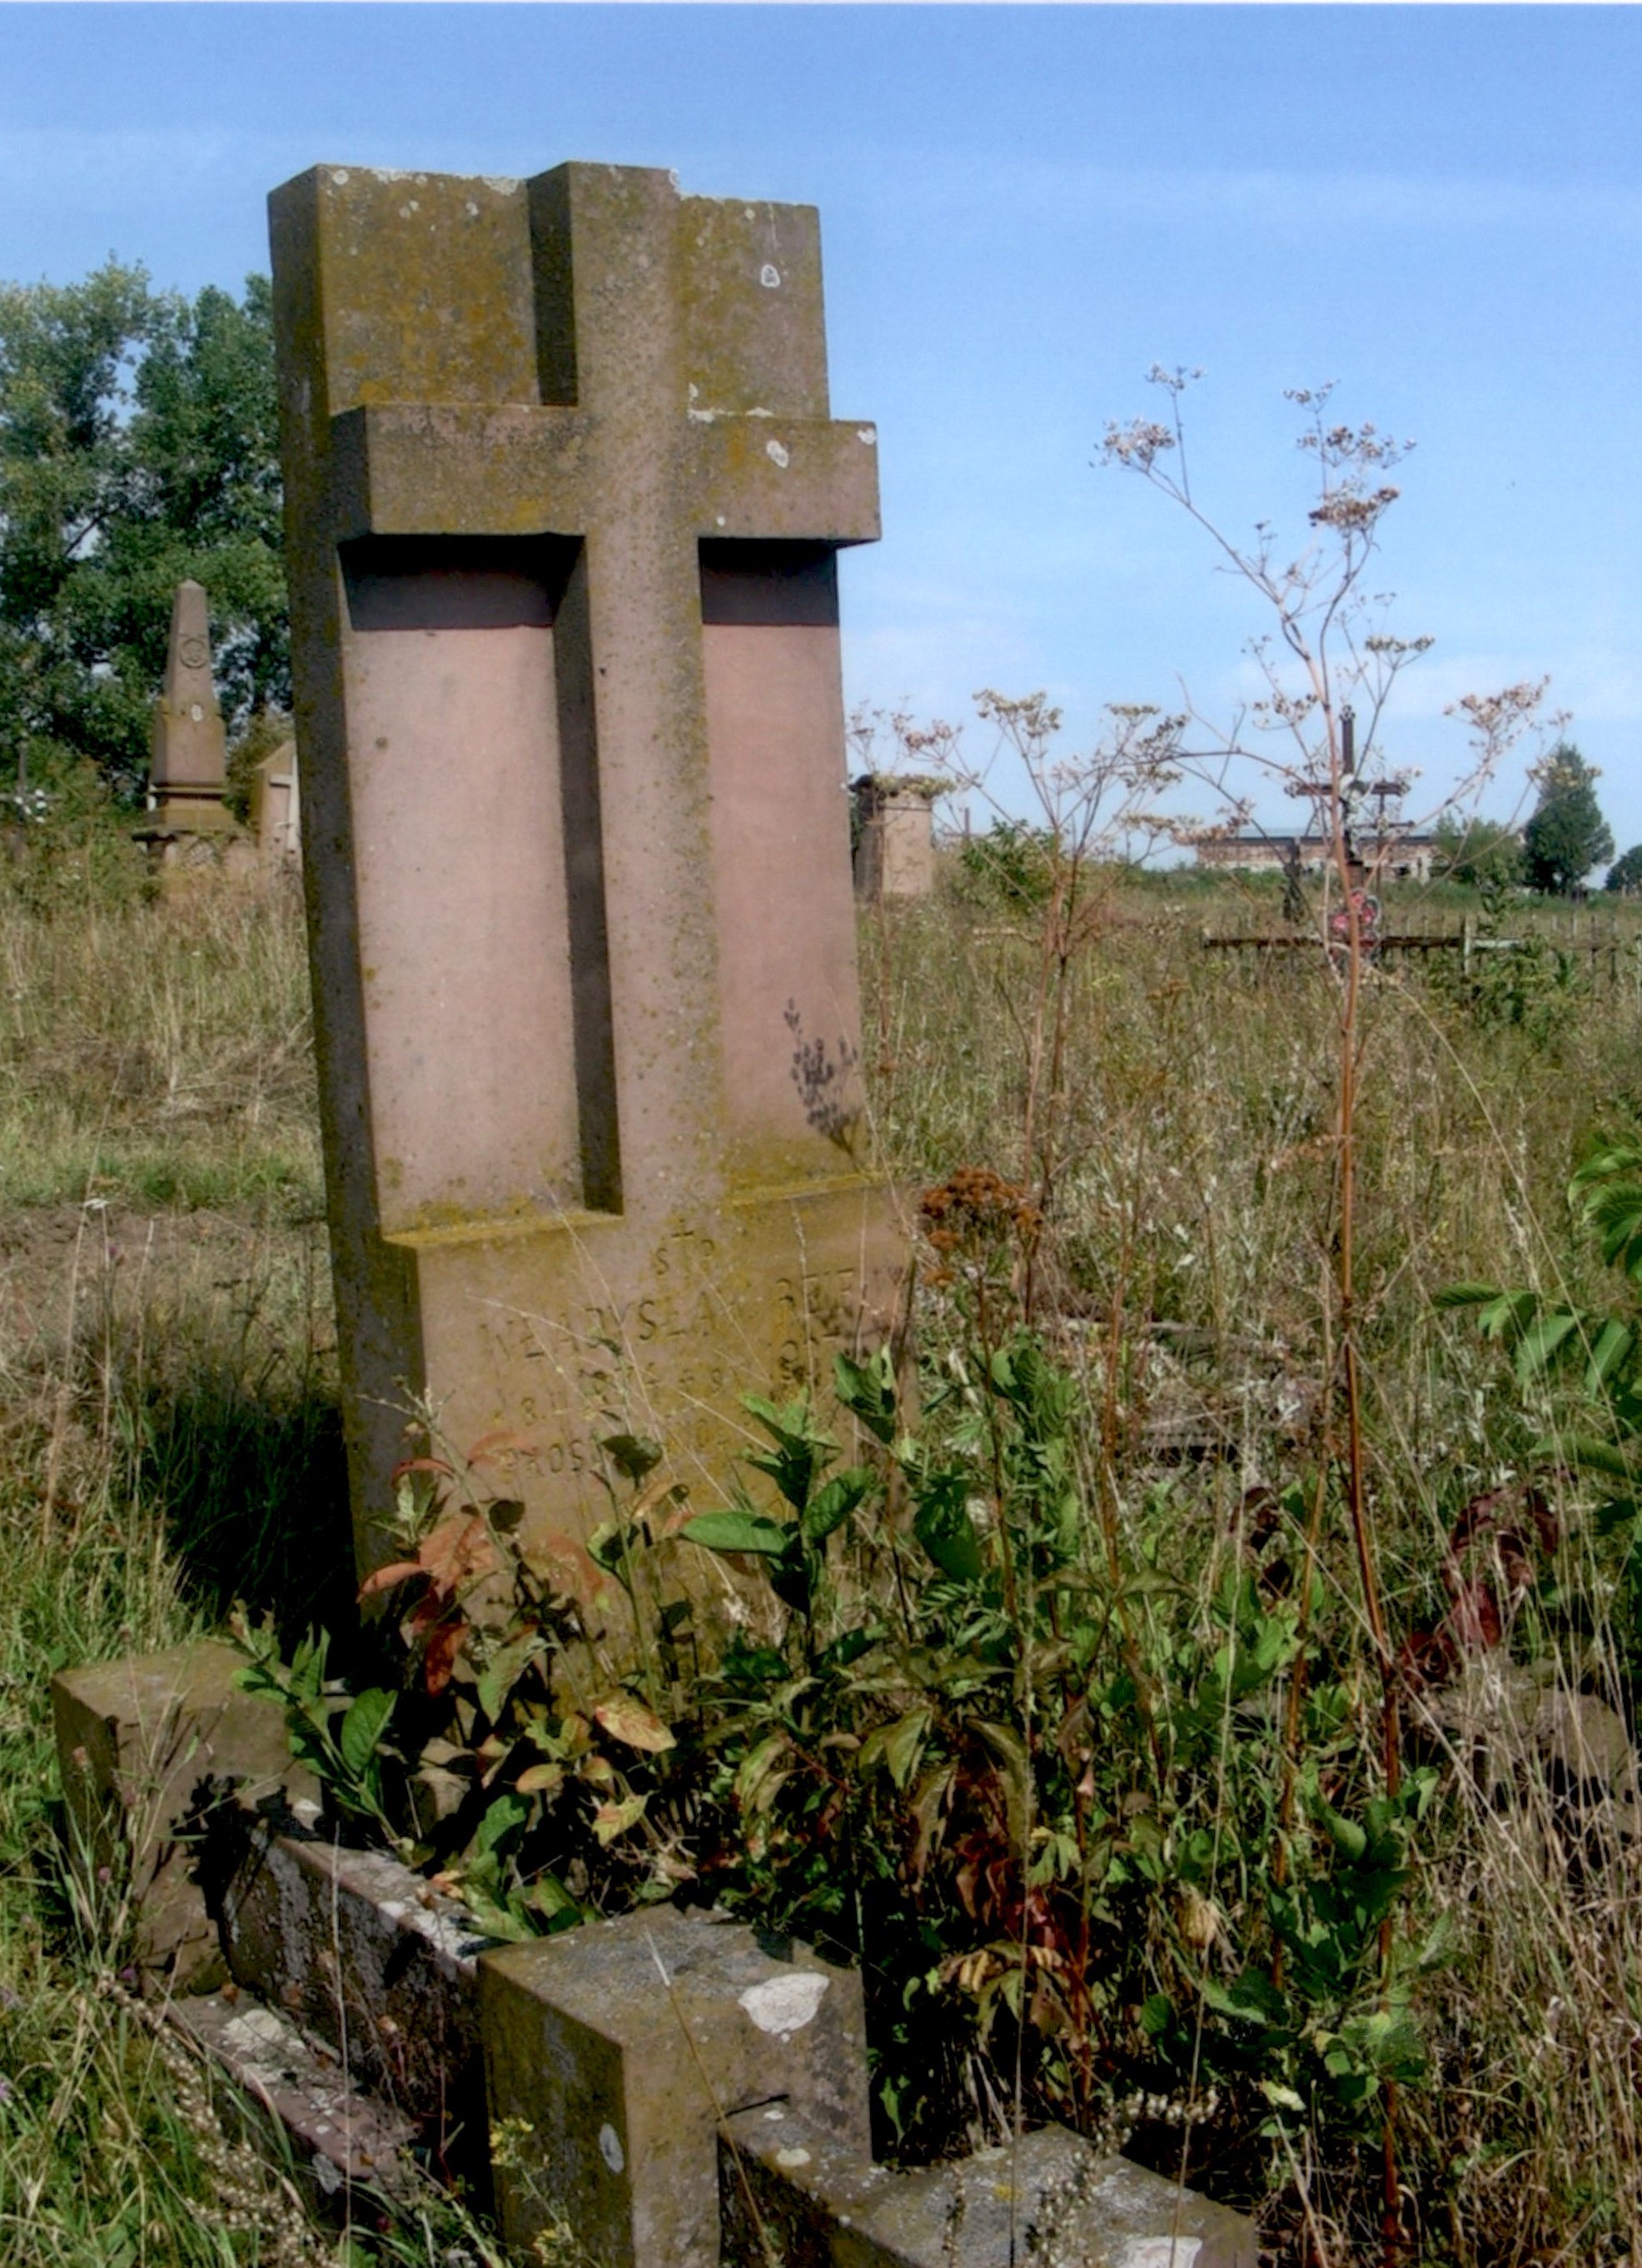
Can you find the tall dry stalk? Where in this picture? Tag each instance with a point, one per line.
(1330, 652)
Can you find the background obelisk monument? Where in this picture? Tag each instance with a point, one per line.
(188, 822)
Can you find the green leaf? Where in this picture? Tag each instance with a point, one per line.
(362, 1727)
(1251, 2000)
(1350, 1840)
(1537, 1347)
(792, 1576)
(1511, 1313)
(1608, 1189)
(943, 1526)
(606, 1548)
(1586, 1455)
(504, 1817)
(831, 1505)
(494, 1919)
(1157, 2014)
(633, 1455)
(502, 1673)
(786, 1423)
(549, 1897)
(898, 1746)
(1609, 1353)
(1439, 1945)
(1466, 1295)
(739, 1531)
(867, 1390)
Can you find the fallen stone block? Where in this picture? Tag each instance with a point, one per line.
(621, 2047)
(795, 2194)
(370, 1958)
(144, 1746)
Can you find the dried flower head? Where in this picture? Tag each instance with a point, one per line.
(974, 1210)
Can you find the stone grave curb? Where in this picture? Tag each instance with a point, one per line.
(676, 2087)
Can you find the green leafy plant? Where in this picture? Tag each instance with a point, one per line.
(525, 1766)
(1588, 1358)
(792, 1548)
(339, 1736)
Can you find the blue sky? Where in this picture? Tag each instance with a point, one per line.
(1023, 209)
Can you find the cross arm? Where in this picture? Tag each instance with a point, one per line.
(775, 478)
(514, 469)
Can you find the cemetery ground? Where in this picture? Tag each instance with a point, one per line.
(1226, 1918)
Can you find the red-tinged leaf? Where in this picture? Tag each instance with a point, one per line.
(1427, 1658)
(421, 1465)
(457, 1551)
(1476, 1516)
(387, 1578)
(439, 1662)
(1476, 1620)
(570, 1568)
(503, 1443)
(1513, 1557)
(612, 1819)
(628, 1720)
(1544, 1521)
(431, 1608)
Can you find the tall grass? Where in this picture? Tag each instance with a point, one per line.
(155, 1052)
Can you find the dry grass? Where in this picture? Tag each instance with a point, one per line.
(168, 1441)
(168, 1437)
(155, 1053)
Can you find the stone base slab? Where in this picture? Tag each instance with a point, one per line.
(792, 2194)
(652, 2028)
(373, 1961)
(683, 2092)
(347, 2138)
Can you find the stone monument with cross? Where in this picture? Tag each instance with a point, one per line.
(564, 499)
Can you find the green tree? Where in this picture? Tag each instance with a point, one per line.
(1567, 834)
(138, 444)
(1625, 873)
(1482, 852)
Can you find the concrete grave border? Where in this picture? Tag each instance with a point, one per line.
(684, 2094)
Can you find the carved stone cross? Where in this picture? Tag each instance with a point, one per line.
(563, 499)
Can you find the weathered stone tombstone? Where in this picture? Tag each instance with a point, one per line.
(563, 499)
(895, 836)
(188, 823)
(276, 810)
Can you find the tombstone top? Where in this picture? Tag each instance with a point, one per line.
(189, 747)
(540, 357)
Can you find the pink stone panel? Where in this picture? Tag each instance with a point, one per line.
(781, 837)
(463, 935)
